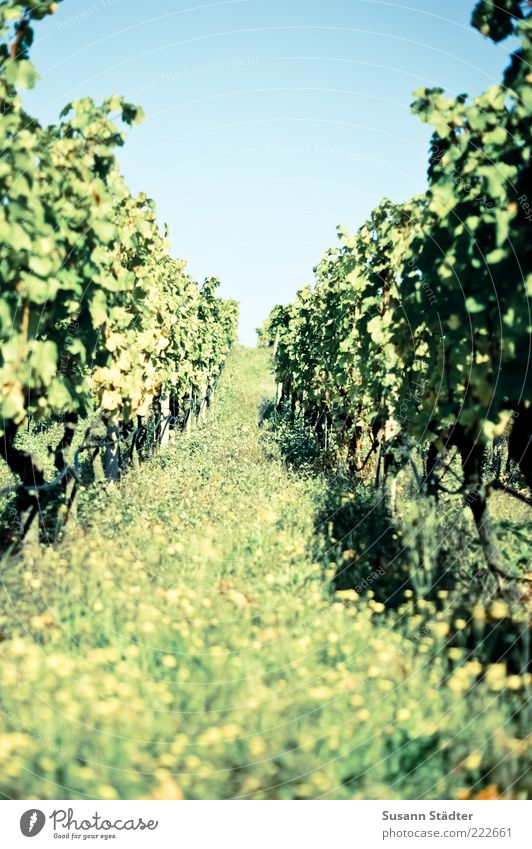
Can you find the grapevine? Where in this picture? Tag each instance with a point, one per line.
(416, 331)
(97, 320)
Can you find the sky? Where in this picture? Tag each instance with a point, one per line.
(268, 122)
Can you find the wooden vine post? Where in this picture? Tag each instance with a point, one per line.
(112, 453)
(189, 413)
(164, 427)
(203, 403)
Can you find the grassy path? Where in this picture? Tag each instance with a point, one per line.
(182, 641)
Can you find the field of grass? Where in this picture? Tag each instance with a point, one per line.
(186, 639)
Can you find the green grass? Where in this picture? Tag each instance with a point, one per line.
(184, 638)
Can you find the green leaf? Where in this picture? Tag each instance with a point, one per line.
(473, 306)
(41, 265)
(37, 290)
(105, 230)
(43, 361)
(98, 308)
(21, 73)
(495, 256)
(132, 114)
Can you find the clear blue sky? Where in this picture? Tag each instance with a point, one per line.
(268, 122)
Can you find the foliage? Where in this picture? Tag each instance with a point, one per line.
(417, 332)
(497, 19)
(96, 318)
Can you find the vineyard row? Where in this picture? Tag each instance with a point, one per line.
(415, 336)
(97, 321)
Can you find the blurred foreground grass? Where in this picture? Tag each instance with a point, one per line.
(183, 640)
